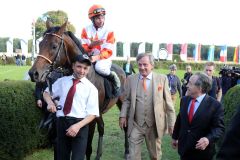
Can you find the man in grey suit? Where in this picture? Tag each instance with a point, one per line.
(147, 109)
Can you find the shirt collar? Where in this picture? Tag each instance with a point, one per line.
(99, 29)
(83, 80)
(148, 77)
(200, 98)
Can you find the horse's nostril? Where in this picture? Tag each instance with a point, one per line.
(33, 75)
(36, 74)
(30, 73)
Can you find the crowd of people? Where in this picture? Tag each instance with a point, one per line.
(20, 60)
(148, 109)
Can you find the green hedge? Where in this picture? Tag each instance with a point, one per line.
(19, 133)
(230, 102)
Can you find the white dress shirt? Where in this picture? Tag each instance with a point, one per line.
(85, 100)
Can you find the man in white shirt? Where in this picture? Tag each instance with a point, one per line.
(79, 101)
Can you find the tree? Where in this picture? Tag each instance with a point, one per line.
(56, 17)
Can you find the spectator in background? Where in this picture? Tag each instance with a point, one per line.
(18, 59)
(228, 80)
(216, 90)
(174, 83)
(128, 67)
(4, 59)
(185, 79)
(23, 60)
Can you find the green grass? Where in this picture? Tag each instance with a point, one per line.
(13, 72)
(113, 145)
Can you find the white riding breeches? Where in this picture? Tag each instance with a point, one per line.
(103, 66)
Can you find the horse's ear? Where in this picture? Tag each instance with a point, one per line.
(48, 23)
(63, 27)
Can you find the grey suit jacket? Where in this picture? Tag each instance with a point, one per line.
(163, 107)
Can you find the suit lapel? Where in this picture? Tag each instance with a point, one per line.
(153, 87)
(134, 88)
(201, 108)
(185, 109)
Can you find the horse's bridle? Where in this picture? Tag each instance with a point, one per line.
(52, 63)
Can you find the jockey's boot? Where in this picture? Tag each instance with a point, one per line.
(113, 78)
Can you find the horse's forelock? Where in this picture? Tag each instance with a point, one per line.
(52, 30)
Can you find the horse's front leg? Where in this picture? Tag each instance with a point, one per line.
(100, 125)
(92, 126)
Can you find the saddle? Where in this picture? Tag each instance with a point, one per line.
(108, 87)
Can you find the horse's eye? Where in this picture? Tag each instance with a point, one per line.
(54, 46)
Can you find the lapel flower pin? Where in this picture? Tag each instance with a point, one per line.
(159, 87)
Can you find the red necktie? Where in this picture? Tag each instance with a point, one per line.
(69, 99)
(191, 110)
(144, 84)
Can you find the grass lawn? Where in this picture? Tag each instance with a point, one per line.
(13, 72)
(113, 145)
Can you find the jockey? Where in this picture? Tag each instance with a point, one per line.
(99, 42)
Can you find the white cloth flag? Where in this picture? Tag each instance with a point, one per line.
(126, 49)
(141, 48)
(10, 47)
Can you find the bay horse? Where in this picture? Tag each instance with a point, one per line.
(58, 49)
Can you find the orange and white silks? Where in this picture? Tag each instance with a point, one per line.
(90, 34)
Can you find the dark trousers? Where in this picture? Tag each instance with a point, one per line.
(192, 156)
(74, 147)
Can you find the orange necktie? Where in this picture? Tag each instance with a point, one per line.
(144, 84)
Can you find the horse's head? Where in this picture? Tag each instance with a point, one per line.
(56, 49)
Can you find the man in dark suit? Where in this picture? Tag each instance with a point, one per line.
(230, 149)
(200, 121)
(128, 67)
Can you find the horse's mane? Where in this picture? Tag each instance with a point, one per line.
(70, 34)
(76, 40)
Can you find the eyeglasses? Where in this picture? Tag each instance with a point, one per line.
(99, 10)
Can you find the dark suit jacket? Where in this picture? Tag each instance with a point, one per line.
(207, 122)
(230, 149)
(39, 89)
(131, 70)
